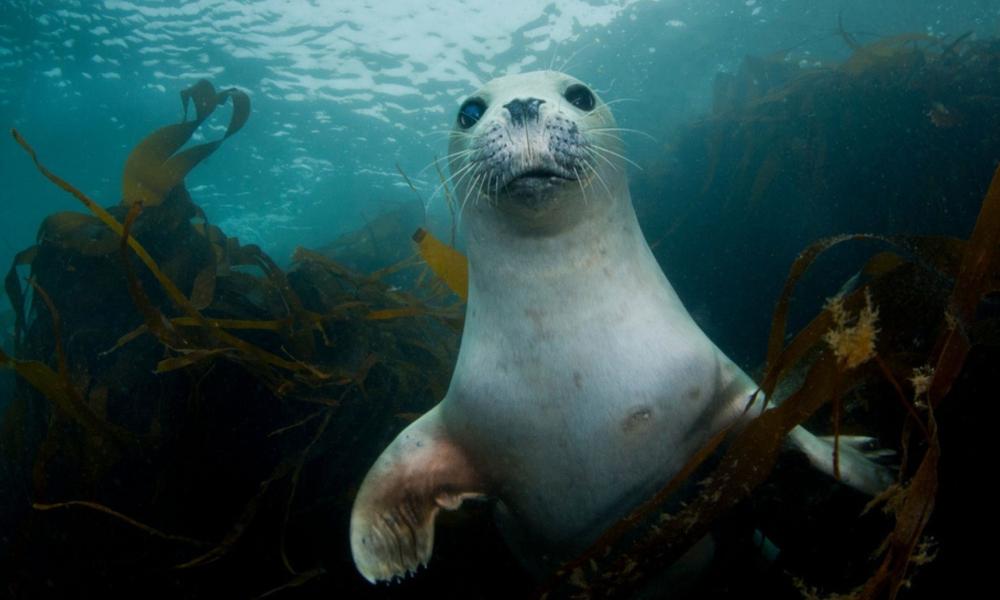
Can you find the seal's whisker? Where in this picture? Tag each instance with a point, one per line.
(425, 167)
(462, 178)
(606, 130)
(613, 153)
(446, 158)
(475, 188)
(496, 188)
(617, 100)
(484, 188)
(579, 181)
(450, 131)
(465, 198)
(588, 170)
(599, 178)
(478, 190)
(485, 191)
(471, 192)
(461, 174)
(453, 176)
(455, 154)
(565, 66)
(473, 166)
(593, 153)
(603, 136)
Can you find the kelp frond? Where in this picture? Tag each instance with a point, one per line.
(446, 262)
(155, 166)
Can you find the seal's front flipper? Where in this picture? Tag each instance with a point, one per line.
(392, 523)
(859, 467)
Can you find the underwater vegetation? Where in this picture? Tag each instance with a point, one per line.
(167, 411)
(377, 245)
(189, 419)
(902, 137)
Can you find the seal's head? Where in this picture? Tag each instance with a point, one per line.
(533, 144)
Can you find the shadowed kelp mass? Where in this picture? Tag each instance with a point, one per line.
(194, 392)
(901, 138)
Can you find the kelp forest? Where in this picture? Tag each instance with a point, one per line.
(189, 419)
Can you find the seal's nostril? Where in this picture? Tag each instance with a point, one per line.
(523, 110)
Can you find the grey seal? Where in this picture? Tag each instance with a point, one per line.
(582, 384)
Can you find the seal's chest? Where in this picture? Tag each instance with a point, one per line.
(636, 394)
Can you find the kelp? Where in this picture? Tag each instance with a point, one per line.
(783, 125)
(155, 166)
(83, 233)
(57, 387)
(381, 243)
(446, 262)
(156, 322)
(379, 248)
(124, 518)
(977, 275)
(191, 351)
(12, 286)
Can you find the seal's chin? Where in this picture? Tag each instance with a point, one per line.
(535, 185)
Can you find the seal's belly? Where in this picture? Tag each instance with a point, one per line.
(578, 433)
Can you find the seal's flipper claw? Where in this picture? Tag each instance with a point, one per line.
(392, 522)
(857, 467)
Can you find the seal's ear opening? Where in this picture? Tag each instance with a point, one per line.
(581, 97)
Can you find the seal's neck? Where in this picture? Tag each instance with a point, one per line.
(511, 267)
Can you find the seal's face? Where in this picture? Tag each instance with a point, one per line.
(532, 142)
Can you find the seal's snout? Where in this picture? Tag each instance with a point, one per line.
(527, 152)
(523, 110)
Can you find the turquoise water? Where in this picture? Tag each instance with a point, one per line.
(344, 91)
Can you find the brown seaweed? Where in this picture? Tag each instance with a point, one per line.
(155, 322)
(155, 166)
(298, 339)
(446, 262)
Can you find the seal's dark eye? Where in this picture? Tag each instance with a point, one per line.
(472, 110)
(579, 96)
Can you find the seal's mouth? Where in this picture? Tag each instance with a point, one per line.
(534, 181)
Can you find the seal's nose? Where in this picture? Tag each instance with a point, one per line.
(523, 110)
